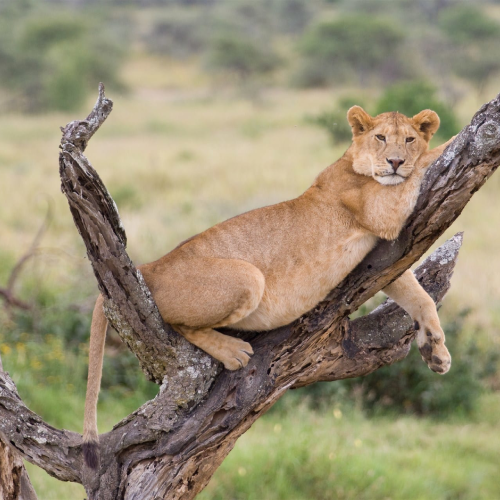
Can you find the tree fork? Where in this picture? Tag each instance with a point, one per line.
(171, 446)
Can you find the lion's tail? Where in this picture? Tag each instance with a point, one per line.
(96, 353)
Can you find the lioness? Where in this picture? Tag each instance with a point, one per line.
(265, 268)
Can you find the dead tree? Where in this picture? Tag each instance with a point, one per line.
(171, 446)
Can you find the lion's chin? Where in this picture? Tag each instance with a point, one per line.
(390, 180)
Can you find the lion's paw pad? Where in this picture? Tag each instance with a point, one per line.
(436, 355)
(236, 354)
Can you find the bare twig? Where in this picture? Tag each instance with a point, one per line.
(7, 293)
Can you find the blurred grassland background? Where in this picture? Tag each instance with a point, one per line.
(222, 106)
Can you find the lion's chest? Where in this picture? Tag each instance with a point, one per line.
(302, 280)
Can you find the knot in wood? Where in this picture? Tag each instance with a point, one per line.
(487, 136)
(76, 135)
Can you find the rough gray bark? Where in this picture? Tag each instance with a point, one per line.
(171, 446)
(14, 481)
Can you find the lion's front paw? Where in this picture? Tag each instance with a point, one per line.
(235, 353)
(430, 341)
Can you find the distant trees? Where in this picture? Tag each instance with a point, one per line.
(293, 16)
(365, 43)
(179, 34)
(242, 57)
(355, 45)
(241, 45)
(383, 41)
(51, 60)
(475, 40)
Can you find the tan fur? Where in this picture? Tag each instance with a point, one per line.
(267, 267)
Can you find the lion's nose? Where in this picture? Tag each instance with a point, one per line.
(395, 163)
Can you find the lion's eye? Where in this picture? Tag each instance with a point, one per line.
(410, 139)
(380, 137)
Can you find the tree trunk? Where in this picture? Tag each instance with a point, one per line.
(171, 446)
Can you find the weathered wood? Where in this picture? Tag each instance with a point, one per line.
(56, 451)
(171, 446)
(15, 483)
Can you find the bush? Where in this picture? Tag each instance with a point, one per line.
(241, 56)
(334, 121)
(51, 61)
(475, 38)
(467, 24)
(410, 387)
(353, 47)
(292, 16)
(178, 35)
(410, 98)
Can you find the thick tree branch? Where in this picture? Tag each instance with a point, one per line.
(56, 451)
(173, 444)
(15, 483)
(388, 328)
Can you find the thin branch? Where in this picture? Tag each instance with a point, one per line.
(12, 301)
(7, 293)
(56, 451)
(32, 249)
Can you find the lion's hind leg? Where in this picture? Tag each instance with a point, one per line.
(234, 353)
(197, 294)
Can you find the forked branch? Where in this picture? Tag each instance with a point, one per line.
(171, 446)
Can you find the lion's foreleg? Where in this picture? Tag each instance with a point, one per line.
(409, 294)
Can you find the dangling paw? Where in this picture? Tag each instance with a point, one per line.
(430, 341)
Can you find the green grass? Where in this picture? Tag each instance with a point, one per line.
(299, 454)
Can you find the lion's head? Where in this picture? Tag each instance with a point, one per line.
(387, 146)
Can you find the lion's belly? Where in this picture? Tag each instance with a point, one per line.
(290, 294)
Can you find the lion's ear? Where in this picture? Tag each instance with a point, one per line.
(359, 120)
(426, 123)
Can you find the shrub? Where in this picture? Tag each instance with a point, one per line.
(467, 24)
(53, 60)
(241, 56)
(177, 35)
(292, 16)
(353, 47)
(334, 121)
(410, 387)
(474, 38)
